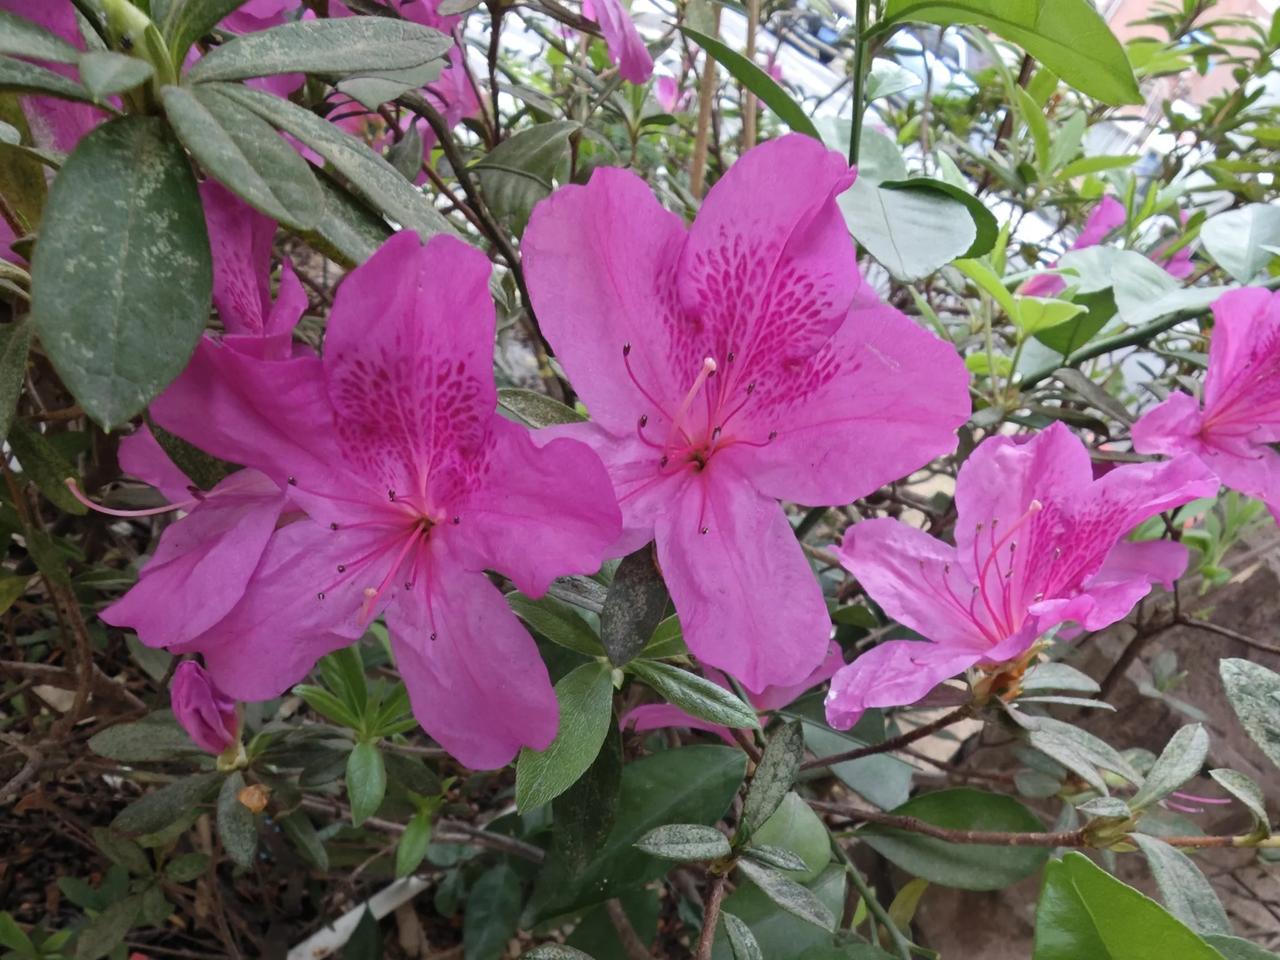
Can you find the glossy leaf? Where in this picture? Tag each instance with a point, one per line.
(585, 696)
(695, 695)
(557, 622)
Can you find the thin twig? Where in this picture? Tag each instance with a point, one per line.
(706, 94)
(893, 743)
(632, 945)
(1228, 633)
(710, 917)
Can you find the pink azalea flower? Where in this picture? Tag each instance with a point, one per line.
(666, 90)
(728, 365)
(240, 239)
(1105, 217)
(1177, 264)
(626, 47)
(55, 124)
(255, 15)
(1038, 543)
(1232, 430)
(205, 712)
(657, 716)
(412, 486)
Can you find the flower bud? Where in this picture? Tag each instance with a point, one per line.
(205, 712)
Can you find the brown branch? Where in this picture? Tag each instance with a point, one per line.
(706, 93)
(710, 917)
(893, 743)
(632, 945)
(1228, 633)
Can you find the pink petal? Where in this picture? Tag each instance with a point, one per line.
(600, 263)
(880, 399)
(527, 522)
(1125, 578)
(626, 47)
(770, 270)
(203, 564)
(660, 716)
(205, 712)
(413, 393)
(1105, 217)
(140, 455)
(895, 673)
(775, 698)
(240, 240)
(747, 598)
(1242, 386)
(1172, 426)
(475, 678)
(917, 581)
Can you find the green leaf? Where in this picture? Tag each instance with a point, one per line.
(557, 622)
(789, 895)
(1183, 888)
(696, 695)
(688, 785)
(118, 848)
(183, 22)
(106, 73)
(781, 935)
(1111, 807)
(379, 183)
(757, 81)
(741, 940)
(11, 936)
(1067, 36)
(667, 641)
(1057, 676)
(1181, 759)
(1084, 912)
(966, 866)
(23, 38)
(983, 220)
(1233, 948)
(792, 864)
(122, 275)
(1078, 750)
(1238, 239)
(585, 696)
(633, 607)
(341, 47)
(327, 705)
(241, 150)
(584, 815)
(346, 229)
(1087, 165)
(413, 843)
(22, 174)
(366, 781)
(1034, 315)
(159, 808)
(11, 588)
(685, 843)
(982, 275)
(185, 868)
(796, 830)
(1248, 793)
(406, 153)
(1033, 116)
(23, 77)
(882, 779)
(536, 409)
(885, 78)
(155, 737)
(493, 913)
(108, 928)
(14, 346)
(45, 466)
(520, 171)
(373, 88)
(555, 951)
(1254, 694)
(366, 939)
(775, 773)
(237, 829)
(911, 228)
(302, 832)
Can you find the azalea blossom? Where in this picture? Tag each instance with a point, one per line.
(1103, 218)
(1232, 429)
(205, 712)
(1038, 543)
(731, 364)
(626, 47)
(658, 716)
(403, 486)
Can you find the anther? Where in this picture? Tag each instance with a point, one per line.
(391, 495)
(433, 636)
(704, 530)
(731, 356)
(715, 434)
(644, 419)
(319, 596)
(773, 434)
(408, 585)
(663, 462)
(456, 521)
(293, 481)
(751, 387)
(333, 526)
(342, 568)
(626, 352)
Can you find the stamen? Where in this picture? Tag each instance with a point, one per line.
(677, 422)
(113, 512)
(626, 362)
(640, 425)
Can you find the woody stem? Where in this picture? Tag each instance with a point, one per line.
(893, 743)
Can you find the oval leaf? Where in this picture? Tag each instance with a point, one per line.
(696, 695)
(585, 697)
(685, 842)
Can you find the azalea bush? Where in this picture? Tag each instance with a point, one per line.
(550, 480)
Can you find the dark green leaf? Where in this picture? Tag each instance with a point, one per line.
(22, 172)
(695, 695)
(45, 466)
(775, 773)
(28, 78)
(757, 81)
(1067, 36)
(413, 844)
(366, 781)
(241, 150)
(237, 829)
(344, 46)
(1085, 912)
(406, 153)
(122, 275)
(741, 940)
(371, 176)
(346, 230)
(795, 829)
(186, 867)
(634, 606)
(108, 928)
(1254, 694)
(11, 936)
(584, 815)
(1180, 760)
(882, 779)
(966, 866)
(375, 87)
(327, 705)
(118, 848)
(667, 641)
(26, 39)
(159, 808)
(789, 895)
(557, 622)
(302, 832)
(585, 696)
(536, 409)
(493, 912)
(688, 785)
(366, 939)
(520, 171)
(1183, 888)
(1233, 948)
(106, 73)
(780, 935)
(685, 842)
(183, 22)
